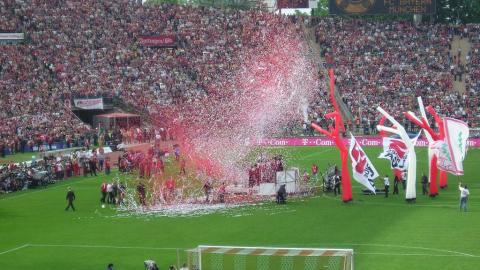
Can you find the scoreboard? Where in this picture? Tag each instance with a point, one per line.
(393, 7)
(292, 4)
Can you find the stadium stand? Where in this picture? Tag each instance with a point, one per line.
(472, 97)
(90, 49)
(391, 63)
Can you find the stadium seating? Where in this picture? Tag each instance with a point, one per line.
(391, 63)
(90, 48)
(472, 98)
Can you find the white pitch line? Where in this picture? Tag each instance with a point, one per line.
(453, 205)
(102, 246)
(421, 248)
(415, 247)
(412, 254)
(13, 249)
(454, 253)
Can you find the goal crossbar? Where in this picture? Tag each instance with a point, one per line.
(275, 251)
(347, 254)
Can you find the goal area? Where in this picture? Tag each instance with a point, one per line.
(269, 258)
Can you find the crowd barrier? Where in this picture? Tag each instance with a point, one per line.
(35, 148)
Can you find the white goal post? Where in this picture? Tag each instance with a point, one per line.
(269, 258)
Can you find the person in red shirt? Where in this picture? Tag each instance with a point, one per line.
(103, 190)
(169, 189)
(107, 166)
(76, 168)
(314, 171)
(68, 169)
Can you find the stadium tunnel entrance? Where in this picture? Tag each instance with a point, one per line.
(87, 116)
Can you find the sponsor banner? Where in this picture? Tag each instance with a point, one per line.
(89, 104)
(382, 6)
(324, 141)
(11, 38)
(158, 41)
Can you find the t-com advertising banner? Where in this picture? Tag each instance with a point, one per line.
(324, 141)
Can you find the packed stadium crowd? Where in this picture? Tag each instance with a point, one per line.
(91, 48)
(391, 63)
(94, 51)
(473, 65)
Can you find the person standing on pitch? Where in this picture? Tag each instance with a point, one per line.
(70, 198)
(315, 171)
(336, 187)
(207, 188)
(93, 166)
(424, 184)
(387, 185)
(395, 185)
(464, 193)
(103, 190)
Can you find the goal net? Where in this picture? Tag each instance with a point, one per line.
(264, 258)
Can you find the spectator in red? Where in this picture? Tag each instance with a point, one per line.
(107, 166)
(314, 170)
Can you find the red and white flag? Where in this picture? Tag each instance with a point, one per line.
(396, 151)
(452, 150)
(363, 170)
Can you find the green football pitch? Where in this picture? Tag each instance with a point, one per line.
(385, 233)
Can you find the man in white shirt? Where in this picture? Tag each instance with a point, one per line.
(110, 199)
(464, 193)
(387, 185)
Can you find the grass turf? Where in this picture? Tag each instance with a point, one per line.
(19, 157)
(36, 232)
(27, 156)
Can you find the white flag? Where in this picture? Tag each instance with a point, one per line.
(396, 151)
(363, 170)
(452, 151)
